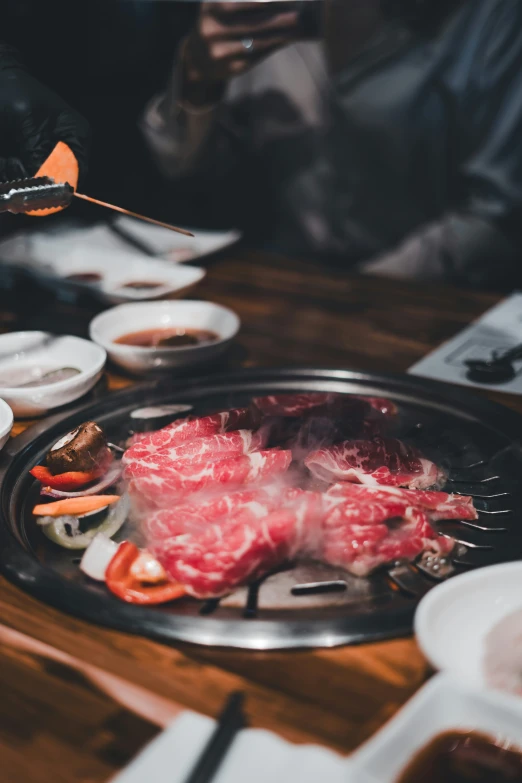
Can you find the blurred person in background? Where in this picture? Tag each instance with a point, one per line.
(392, 145)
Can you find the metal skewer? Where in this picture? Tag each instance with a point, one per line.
(134, 214)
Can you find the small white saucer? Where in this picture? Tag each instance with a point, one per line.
(29, 355)
(453, 619)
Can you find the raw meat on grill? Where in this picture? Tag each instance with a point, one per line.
(226, 542)
(213, 448)
(386, 461)
(219, 509)
(212, 559)
(361, 548)
(298, 405)
(309, 509)
(438, 505)
(185, 430)
(223, 543)
(352, 513)
(305, 422)
(291, 405)
(172, 483)
(302, 406)
(162, 525)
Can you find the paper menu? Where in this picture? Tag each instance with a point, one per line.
(497, 330)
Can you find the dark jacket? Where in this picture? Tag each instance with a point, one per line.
(428, 148)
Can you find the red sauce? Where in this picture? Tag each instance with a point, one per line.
(167, 337)
(84, 277)
(464, 757)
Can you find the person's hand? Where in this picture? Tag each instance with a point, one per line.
(228, 39)
(33, 119)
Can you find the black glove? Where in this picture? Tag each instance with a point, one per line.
(33, 119)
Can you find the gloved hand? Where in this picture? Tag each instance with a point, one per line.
(33, 119)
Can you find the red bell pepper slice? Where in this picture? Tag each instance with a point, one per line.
(122, 583)
(66, 482)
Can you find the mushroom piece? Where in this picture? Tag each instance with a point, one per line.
(84, 449)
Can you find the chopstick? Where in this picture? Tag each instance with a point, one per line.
(231, 721)
(131, 240)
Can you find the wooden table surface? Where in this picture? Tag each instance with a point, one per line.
(78, 700)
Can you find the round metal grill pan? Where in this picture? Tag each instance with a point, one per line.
(478, 442)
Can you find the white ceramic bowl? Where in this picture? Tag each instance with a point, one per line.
(127, 318)
(37, 352)
(453, 620)
(6, 422)
(444, 704)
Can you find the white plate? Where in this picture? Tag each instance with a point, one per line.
(454, 618)
(117, 269)
(6, 422)
(49, 256)
(40, 352)
(118, 321)
(441, 705)
(175, 247)
(256, 756)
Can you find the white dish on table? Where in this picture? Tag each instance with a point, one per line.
(28, 356)
(175, 247)
(444, 704)
(54, 258)
(125, 319)
(453, 620)
(6, 422)
(255, 756)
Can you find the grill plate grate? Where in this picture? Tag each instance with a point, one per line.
(477, 442)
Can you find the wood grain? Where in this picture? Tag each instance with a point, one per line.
(292, 313)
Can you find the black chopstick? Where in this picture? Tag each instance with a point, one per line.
(231, 721)
(131, 240)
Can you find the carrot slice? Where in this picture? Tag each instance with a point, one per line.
(74, 506)
(62, 166)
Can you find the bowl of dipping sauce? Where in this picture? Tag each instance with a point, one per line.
(161, 336)
(40, 371)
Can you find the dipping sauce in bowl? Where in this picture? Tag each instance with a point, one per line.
(84, 277)
(464, 757)
(167, 337)
(143, 285)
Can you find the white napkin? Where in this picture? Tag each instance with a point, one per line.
(255, 756)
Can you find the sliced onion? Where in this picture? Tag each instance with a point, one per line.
(97, 556)
(106, 481)
(65, 531)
